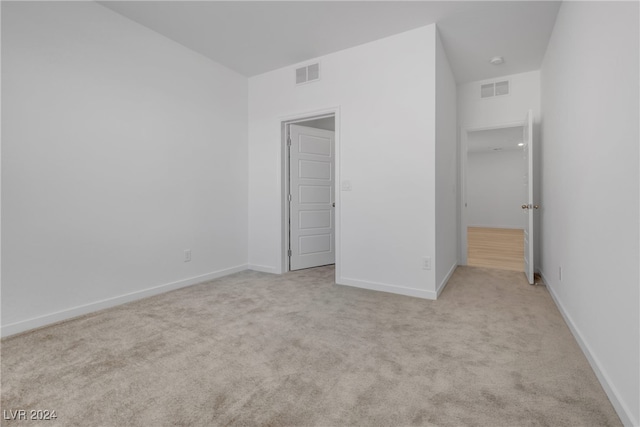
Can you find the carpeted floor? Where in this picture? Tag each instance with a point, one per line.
(260, 349)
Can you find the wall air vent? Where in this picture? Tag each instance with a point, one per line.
(489, 90)
(307, 74)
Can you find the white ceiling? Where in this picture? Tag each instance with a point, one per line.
(503, 139)
(253, 37)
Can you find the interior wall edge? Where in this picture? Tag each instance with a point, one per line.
(74, 312)
(621, 409)
(443, 283)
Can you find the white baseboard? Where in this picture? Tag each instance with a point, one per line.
(263, 268)
(51, 318)
(622, 410)
(383, 287)
(444, 282)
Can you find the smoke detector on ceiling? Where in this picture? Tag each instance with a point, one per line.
(497, 60)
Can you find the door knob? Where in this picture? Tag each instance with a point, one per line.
(536, 207)
(525, 207)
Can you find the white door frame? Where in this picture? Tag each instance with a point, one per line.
(284, 179)
(464, 146)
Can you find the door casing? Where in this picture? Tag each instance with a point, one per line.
(284, 180)
(529, 230)
(306, 167)
(464, 136)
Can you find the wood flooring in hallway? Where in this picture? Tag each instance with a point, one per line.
(501, 248)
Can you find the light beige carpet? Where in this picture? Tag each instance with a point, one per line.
(260, 349)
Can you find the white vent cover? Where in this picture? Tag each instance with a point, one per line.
(307, 74)
(489, 90)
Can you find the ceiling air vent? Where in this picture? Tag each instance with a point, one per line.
(307, 74)
(489, 90)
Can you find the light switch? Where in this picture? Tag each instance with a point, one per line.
(346, 185)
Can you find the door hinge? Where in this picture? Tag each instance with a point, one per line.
(289, 141)
(289, 252)
(289, 197)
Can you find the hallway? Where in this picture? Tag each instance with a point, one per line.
(501, 248)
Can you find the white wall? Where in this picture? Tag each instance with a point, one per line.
(590, 188)
(495, 189)
(446, 169)
(524, 94)
(385, 135)
(120, 150)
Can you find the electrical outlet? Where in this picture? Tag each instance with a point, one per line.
(560, 273)
(187, 255)
(426, 263)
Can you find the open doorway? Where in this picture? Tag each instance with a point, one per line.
(495, 189)
(310, 158)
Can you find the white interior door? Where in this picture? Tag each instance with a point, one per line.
(311, 206)
(529, 206)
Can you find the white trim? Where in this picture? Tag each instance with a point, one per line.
(392, 289)
(306, 119)
(625, 414)
(502, 227)
(284, 182)
(311, 115)
(51, 318)
(444, 282)
(463, 196)
(263, 268)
